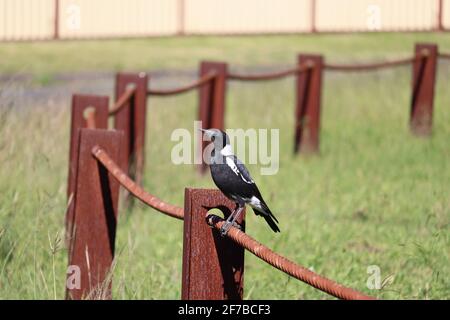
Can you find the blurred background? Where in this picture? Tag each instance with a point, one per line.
(374, 195)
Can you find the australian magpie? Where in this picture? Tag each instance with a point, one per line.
(233, 179)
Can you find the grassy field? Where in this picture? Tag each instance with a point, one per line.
(44, 60)
(376, 195)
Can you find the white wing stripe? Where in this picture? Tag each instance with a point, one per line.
(246, 181)
(232, 165)
(235, 169)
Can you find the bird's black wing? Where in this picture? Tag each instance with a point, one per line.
(242, 170)
(243, 173)
(253, 190)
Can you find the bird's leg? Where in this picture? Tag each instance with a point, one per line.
(230, 217)
(231, 221)
(235, 217)
(227, 225)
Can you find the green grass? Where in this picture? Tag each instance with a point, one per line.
(44, 59)
(376, 195)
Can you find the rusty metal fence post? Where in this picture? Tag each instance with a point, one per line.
(423, 83)
(80, 105)
(91, 250)
(213, 266)
(212, 100)
(307, 114)
(313, 14)
(440, 16)
(131, 119)
(56, 20)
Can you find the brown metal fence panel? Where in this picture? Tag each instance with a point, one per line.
(92, 242)
(213, 266)
(131, 119)
(307, 113)
(81, 104)
(424, 77)
(212, 99)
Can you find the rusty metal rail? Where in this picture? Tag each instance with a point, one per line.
(90, 119)
(122, 100)
(268, 76)
(247, 242)
(203, 80)
(134, 188)
(368, 67)
(444, 56)
(287, 266)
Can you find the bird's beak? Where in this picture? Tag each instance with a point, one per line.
(207, 133)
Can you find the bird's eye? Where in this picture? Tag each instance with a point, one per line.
(213, 138)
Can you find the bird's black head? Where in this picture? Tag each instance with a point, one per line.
(218, 137)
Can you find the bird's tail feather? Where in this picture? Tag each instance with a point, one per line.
(267, 211)
(272, 223)
(269, 217)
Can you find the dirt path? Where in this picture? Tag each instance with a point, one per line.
(23, 91)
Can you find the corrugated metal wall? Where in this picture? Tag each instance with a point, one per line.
(247, 16)
(36, 19)
(374, 15)
(26, 19)
(446, 14)
(109, 18)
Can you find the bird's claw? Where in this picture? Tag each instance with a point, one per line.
(237, 226)
(227, 226)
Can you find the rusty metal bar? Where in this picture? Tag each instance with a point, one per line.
(212, 100)
(440, 16)
(90, 119)
(136, 190)
(281, 263)
(56, 20)
(266, 76)
(131, 118)
(169, 92)
(81, 104)
(307, 114)
(122, 100)
(444, 55)
(313, 5)
(368, 67)
(423, 83)
(92, 239)
(213, 266)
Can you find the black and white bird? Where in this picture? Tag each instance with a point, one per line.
(233, 179)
